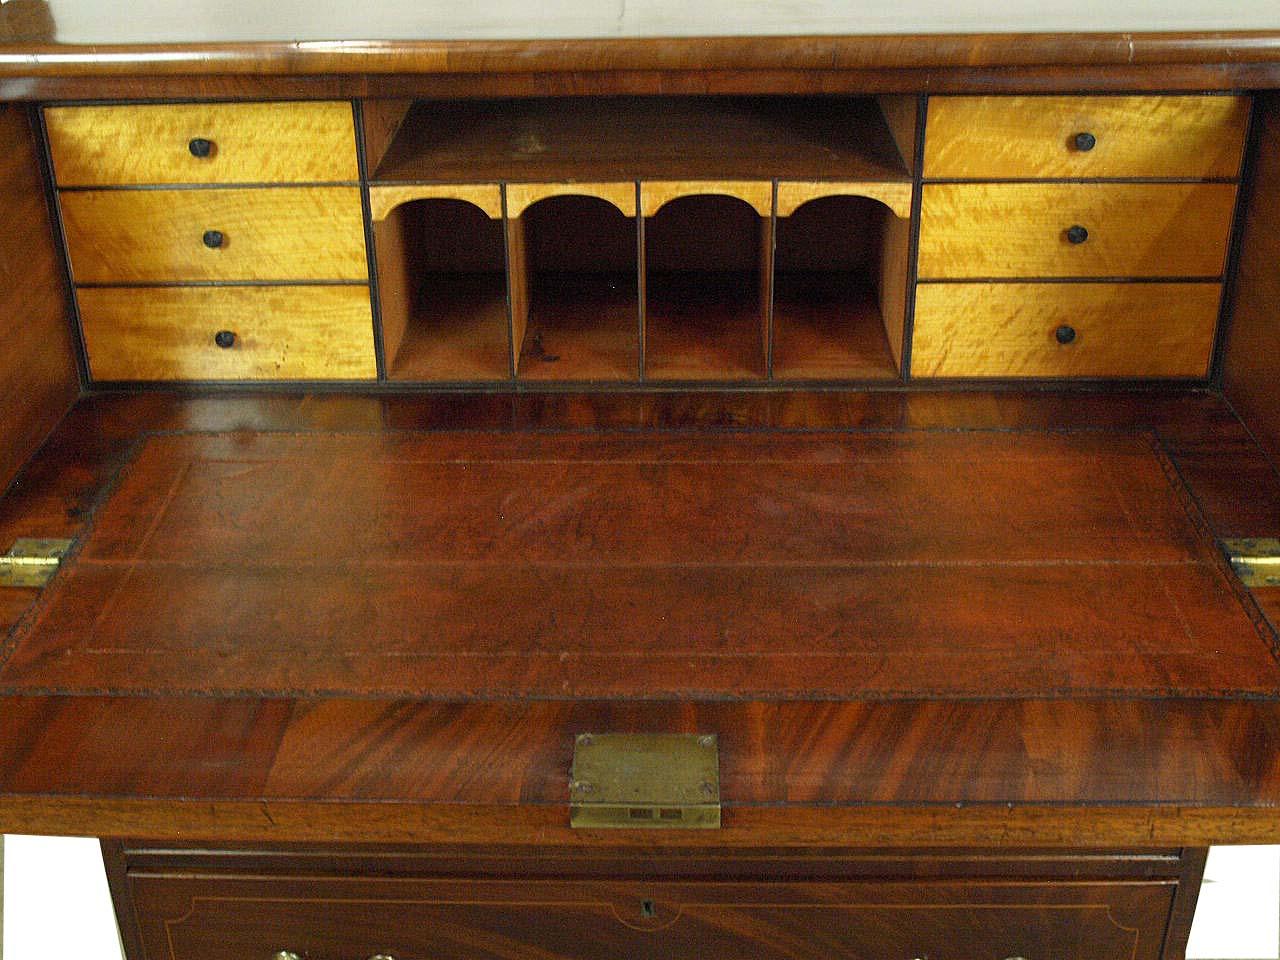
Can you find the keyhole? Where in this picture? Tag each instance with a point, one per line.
(646, 909)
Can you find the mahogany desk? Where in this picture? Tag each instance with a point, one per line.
(881, 413)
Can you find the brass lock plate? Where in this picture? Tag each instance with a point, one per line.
(31, 563)
(1256, 560)
(645, 781)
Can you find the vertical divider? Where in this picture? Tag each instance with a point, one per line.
(517, 281)
(768, 241)
(641, 289)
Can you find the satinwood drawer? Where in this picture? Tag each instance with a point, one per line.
(1064, 329)
(998, 137)
(202, 143)
(1023, 230)
(221, 918)
(282, 233)
(228, 333)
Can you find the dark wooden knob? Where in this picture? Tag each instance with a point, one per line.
(225, 339)
(1065, 334)
(1085, 141)
(201, 148)
(213, 239)
(1077, 234)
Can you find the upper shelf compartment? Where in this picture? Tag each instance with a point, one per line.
(637, 138)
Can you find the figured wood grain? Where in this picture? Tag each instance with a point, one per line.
(252, 143)
(281, 333)
(581, 567)
(237, 915)
(895, 196)
(1008, 329)
(1252, 355)
(386, 197)
(655, 194)
(1000, 774)
(1029, 137)
(284, 233)
(1019, 230)
(38, 376)
(520, 196)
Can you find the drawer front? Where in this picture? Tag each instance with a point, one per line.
(1027, 230)
(162, 143)
(1030, 137)
(1064, 329)
(539, 920)
(277, 333)
(282, 233)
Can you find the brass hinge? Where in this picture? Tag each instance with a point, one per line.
(31, 562)
(646, 781)
(1256, 560)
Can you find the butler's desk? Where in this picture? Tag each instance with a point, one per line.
(604, 488)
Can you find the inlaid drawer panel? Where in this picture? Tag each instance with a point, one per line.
(202, 143)
(228, 333)
(1064, 329)
(1048, 137)
(1074, 230)
(231, 919)
(284, 233)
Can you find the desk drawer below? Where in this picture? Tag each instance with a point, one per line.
(1026, 230)
(1153, 330)
(1002, 137)
(202, 143)
(228, 333)
(183, 236)
(230, 918)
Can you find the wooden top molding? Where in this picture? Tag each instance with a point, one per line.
(80, 38)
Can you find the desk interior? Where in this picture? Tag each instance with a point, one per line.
(704, 564)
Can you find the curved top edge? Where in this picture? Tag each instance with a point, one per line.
(830, 53)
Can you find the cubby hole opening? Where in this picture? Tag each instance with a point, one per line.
(442, 287)
(575, 298)
(839, 291)
(706, 297)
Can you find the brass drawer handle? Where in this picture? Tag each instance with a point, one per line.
(382, 956)
(1084, 142)
(1077, 234)
(201, 148)
(285, 955)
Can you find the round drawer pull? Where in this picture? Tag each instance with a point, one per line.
(1085, 141)
(213, 239)
(1077, 234)
(201, 148)
(1064, 334)
(382, 956)
(225, 339)
(285, 955)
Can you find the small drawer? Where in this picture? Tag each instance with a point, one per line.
(202, 143)
(1064, 329)
(1031, 230)
(228, 333)
(995, 138)
(281, 233)
(230, 919)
